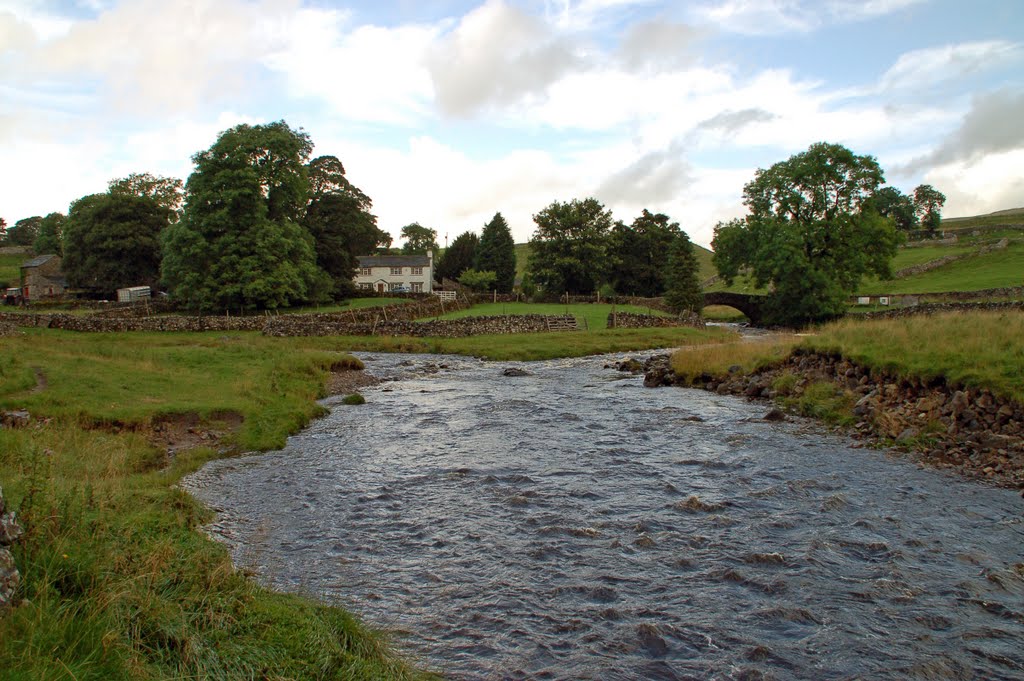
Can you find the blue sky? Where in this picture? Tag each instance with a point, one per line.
(445, 112)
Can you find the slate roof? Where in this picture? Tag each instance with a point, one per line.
(38, 260)
(393, 261)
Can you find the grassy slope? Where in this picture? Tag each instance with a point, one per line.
(10, 269)
(997, 269)
(594, 316)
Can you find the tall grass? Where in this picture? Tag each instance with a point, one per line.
(982, 349)
(738, 356)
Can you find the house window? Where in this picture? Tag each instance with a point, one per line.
(417, 270)
(396, 271)
(366, 286)
(365, 271)
(417, 287)
(396, 285)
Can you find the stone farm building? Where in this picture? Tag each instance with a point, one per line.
(41, 277)
(384, 273)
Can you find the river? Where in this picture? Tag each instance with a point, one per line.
(571, 524)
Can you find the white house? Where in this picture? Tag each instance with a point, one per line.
(399, 273)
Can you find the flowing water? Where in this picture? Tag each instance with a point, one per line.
(571, 524)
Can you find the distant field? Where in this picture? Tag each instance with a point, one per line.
(595, 316)
(998, 269)
(10, 269)
(352, 304)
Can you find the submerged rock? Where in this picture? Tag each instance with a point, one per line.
(515, 371)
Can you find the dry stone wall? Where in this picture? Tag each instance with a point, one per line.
(632, 320)
(10, 531)
(938, 308)
(301, 325)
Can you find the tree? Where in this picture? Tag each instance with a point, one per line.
(477, 280)
(928, 202)
(570, 250)
(166, 191)
(497, 253)
(811, 233)
(894, 204)
(239, 244)
(642, 250)
(112, 241)
(51, 233)
(683, 289)
(458, 257)
(339, 220)
(24, 231)
(419, 239)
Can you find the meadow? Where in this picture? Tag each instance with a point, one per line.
(589, 316)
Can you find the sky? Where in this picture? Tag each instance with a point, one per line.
(447, 111)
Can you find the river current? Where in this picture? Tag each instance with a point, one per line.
(571, 524)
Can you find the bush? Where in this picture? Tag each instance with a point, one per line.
(354, 399)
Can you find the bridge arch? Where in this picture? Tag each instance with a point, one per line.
(750, 305)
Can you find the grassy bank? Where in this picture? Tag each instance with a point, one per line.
(972, 349)
(117, 580)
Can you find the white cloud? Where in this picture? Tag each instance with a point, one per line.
(984, 185)
(766, 17)
(497, 55)
(921, 69)
(364, 73)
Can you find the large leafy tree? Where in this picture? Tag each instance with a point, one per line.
(419, 239)
(112, 241)
(51, 233)
(339, 220)
(894, 204)
(810, 234)
(928, 202)
(166, 191)
(642, 252)
(683, 291)
(497, 253)
(570, 249)
(24, 231)
(239, 244)
(458, 257)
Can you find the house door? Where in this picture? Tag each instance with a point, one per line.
(380, 288)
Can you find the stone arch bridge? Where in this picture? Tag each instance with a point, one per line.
(750, 305)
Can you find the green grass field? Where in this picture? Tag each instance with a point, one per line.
(10, 269)
(591, 316)
(1004, 268)
(351, 304)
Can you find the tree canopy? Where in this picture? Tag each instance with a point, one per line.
(339, 220)
(570, 249)
(239, 244)
(24, 231)
(683, 292)
(928, 203)
(458, 257)
(642, 252)
(166, 191)
(112, 241)
(894, 204)
(811, 233)
(497, 253)
(419, 239)
(51, 235)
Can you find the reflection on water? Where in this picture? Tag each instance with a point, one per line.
(572, 524)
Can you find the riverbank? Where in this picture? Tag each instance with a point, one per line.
(118, 581)
(946, 390)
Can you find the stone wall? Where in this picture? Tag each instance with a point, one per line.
(938, 308)
(302, 325)
(10, 530)
(631, 320)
